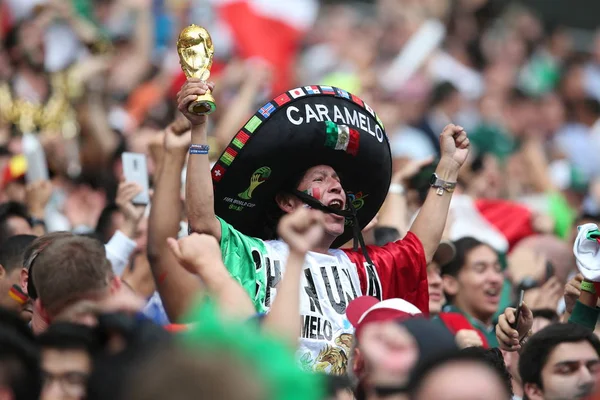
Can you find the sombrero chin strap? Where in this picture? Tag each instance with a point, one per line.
(317, 205)
(349, 213)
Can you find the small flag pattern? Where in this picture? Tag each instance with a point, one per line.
(282, 99)
(343, 93)
(217, 172)
(338, 137)
(266, 110)
(341, 137)
(297, 93)
(228, 156)
(327, 90)
(240, 139)
(312, 89)
(253, 124)
(357, 100)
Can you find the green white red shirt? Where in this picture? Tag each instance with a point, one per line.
(330, 281)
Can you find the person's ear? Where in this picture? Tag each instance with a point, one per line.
(23, 280)
(533, 391)
(41, 310)
(115, 285)
(285, 202)
(358, 363)
(509, 358)
(2, 272)
(450, 285)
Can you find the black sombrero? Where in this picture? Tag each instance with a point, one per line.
(297, 130)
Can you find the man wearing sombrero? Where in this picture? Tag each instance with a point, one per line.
(324, 148)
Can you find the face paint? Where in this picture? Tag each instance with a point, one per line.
(314, 192)
(17, 294)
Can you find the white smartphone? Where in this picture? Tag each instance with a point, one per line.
(135, 170)
(37, 167)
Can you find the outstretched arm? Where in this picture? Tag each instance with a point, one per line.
(198, 189)
(176, 286)
(429, 224)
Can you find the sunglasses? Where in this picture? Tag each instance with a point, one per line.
(31, 290)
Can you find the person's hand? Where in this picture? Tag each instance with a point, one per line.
(189, 92)
(302, 229)
(455, 146)
(37, 195)
(572, 292)
(524, 262)
(409, 170)
(468, 338)
(196, 252)
(508, 338)
(545, 297)
(133, 213)
(178, 137)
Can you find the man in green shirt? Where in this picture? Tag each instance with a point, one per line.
(473, 285)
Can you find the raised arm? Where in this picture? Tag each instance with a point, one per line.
(176, 286)
(201, 256)
(301, 230)
(198, 189)
(429, 224)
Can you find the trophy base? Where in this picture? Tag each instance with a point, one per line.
(203, 105)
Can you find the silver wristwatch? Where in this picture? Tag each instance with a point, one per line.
(441, 185)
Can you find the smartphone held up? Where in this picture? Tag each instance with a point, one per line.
(135, 170)
(515, 325)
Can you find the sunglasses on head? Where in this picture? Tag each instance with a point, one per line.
(31, 291)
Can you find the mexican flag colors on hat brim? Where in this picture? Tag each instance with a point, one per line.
(300, 129)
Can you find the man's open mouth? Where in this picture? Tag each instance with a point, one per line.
(336, 204)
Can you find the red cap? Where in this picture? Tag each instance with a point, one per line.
(366, 309)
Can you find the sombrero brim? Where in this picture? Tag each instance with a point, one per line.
(298, 130)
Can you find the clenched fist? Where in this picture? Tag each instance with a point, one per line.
(454, 145)
(196, 252)
(302, 230)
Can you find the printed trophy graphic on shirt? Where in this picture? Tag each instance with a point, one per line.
(195, 49)
(258, 178)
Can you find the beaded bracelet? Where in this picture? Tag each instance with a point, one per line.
(199, 149)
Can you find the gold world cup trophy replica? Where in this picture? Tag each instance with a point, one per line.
(195, 49)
